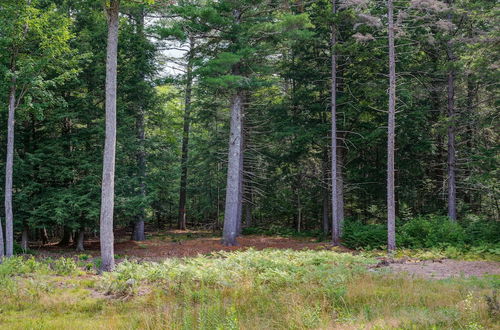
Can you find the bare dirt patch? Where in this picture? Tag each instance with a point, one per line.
(178, 243)
(446, 268)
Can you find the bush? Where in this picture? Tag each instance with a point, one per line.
(425, 232)
(359, 235)
(482, 231)
(432, 231)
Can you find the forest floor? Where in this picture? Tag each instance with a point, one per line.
(191, 243)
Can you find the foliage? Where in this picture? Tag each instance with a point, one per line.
(477, 237)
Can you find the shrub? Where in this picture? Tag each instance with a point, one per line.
(482, 231)
(359, 235)
(431, 231)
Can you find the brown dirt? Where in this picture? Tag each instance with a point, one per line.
(446, 268)
(178, 243)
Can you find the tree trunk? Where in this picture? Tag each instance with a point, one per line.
(185, 137)
(45, 237)
(2, 250)
(233, 172)
(138, 229)
(452, 188)
(24, 239)
(391, 209)
(451, 172)
(79, 240)
(108, 171)
(334, 167)
(324, 213)
(340, 189)
(66, 238)
(9, 217)
(240, 177)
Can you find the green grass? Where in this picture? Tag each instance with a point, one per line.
(270, 289)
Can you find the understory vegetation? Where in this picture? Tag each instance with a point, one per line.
(270, 289)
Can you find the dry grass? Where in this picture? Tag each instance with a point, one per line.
(334, 292)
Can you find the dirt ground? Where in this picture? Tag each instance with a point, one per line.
(440, 269)
(177, 243)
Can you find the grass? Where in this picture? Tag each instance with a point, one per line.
(270, 289)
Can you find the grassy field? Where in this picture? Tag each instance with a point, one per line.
(270, 289)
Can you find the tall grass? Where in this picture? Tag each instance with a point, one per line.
(270, 289)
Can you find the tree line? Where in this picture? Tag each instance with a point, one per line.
(300, 114)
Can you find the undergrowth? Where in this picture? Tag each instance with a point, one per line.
(270, 289)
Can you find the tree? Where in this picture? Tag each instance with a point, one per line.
(334, 148)
(35, 40)
(108, 170)
(391, 127)
(185, 134)
(451, 171)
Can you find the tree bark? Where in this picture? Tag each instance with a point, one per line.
(108, 171)
(9, 217)
(138, 230)
(66, 238)
(185, 137)
(452, 187)
(451, 161)
(2, 244)
(334, 167)
(391, 135)
(340, 188)
(240, 177)
(79, 240)
(25, 239)
(233, 172)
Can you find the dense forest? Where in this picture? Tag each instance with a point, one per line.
(347, 119)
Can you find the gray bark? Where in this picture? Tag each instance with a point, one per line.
(2, 244)
(451, 161)
(240, 178)
(9, 217)
(108, 171)
(79, 241)
(24, 239)
(233, 172)
(324, 213)
(138, 230)
(391, 135)
(334, 167)
(452, 186)
(185, 137)
(340, 189)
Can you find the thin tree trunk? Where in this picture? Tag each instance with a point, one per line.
(138, 230)
(9, 217)
(66, 238)
(79, 240)
(325, 192)
(391, 209)
(324, 213)
(451, 171)
(2, 244)
(233, 172)
(24, 239)
(185, 137)
(45, 237)
(340, 189)
(108, 171)
(452, 188)
(240, 178)
(334, 167)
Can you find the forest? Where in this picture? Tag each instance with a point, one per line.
(213, 164)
